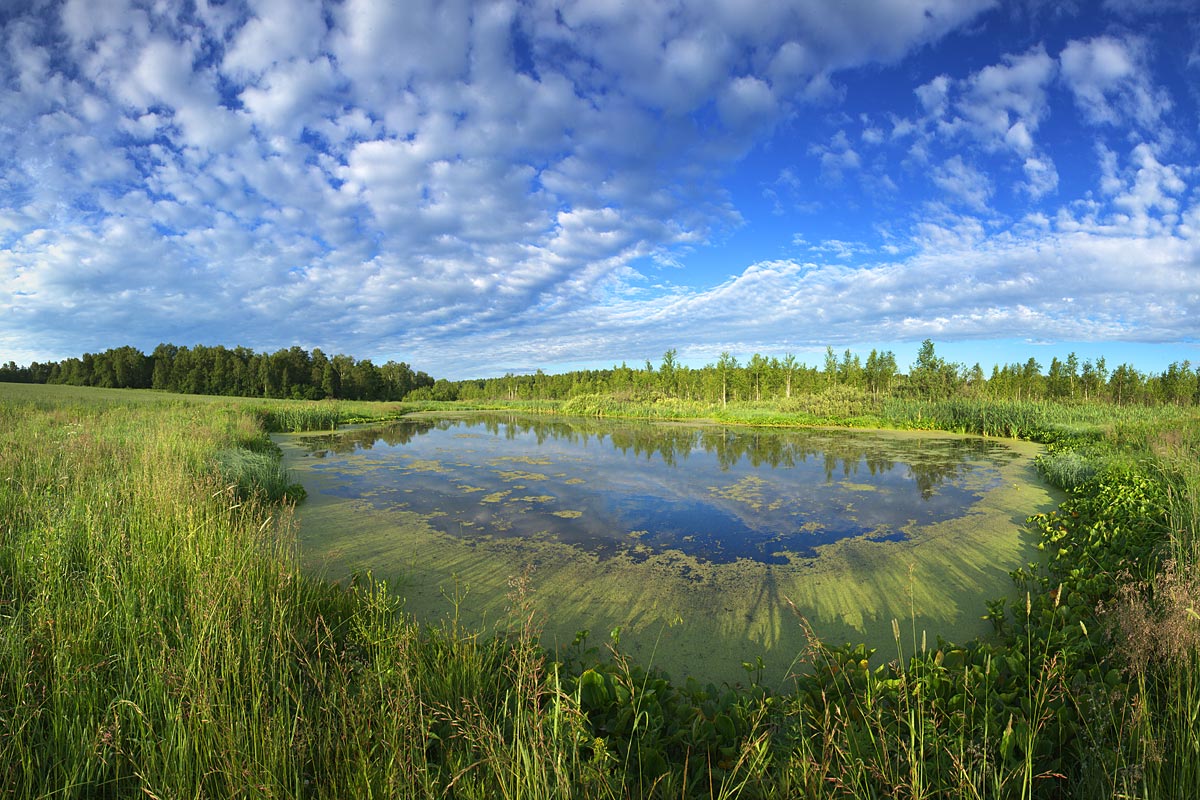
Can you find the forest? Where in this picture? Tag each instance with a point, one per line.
(297, 374)
(294, 373)
(770, 378)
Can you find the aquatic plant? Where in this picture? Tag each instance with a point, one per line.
(248, 473)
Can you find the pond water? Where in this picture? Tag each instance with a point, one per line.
(639, 525)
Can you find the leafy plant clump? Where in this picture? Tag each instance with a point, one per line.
(256, 474)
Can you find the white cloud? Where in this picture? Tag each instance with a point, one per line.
(278, 32)
(963, 181)
(837, 157)
(447, 176)
(971, 289)
(1153, 187)
(1001, 106)
(384, 47)
(291, 96)
(1041, 177)
(959, 290)
(1004, 103)
(1111, 81)
(1109, 182)
(746, 102)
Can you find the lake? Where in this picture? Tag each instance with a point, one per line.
(706, 545)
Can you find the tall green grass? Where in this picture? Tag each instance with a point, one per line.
(157, 639)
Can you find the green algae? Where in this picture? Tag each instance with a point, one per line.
(424, 465)
(533, 460)
(518, 475)
(748, 490)
(933, 581)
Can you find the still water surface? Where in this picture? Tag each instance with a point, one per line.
(735, 531)
(715, 493)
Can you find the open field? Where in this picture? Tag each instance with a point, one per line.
(158, 638)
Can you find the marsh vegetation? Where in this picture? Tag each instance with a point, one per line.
(159, 637)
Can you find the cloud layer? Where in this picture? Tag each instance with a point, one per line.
(474, 186)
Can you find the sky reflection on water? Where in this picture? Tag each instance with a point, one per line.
(716, 493)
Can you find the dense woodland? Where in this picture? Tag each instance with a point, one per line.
(763, 378)
(296, 373)
(293, 373)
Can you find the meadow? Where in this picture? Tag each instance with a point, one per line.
(158, 637)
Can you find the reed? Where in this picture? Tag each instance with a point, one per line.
(157, 638)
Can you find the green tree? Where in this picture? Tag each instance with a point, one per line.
(132, 368)
(756, 368)
(667, 378)
(850, 369)
(880, 372)
(331, 383)
(1124, 384)
(931, 377)
(1031, 380)
(976, 382)
(831, 365)
(726, 364)
(788, 366)
(1058, 385)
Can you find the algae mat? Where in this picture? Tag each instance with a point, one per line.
(705, 545)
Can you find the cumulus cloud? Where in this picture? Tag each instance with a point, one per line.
(1014, 282)
(997, 110)
(1000, 106)
(837, 157)
(1111, 81)
(429, 178)
(1041, 177)
(464, 162)
(963, 181)
(1003, 104)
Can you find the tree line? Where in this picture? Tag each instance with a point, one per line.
(772, 378)
(297, 373)
(287, 373)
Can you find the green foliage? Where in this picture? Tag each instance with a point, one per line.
(293, 373)
(297, 418)
(1070, 468)
(158, 639)
(249, 474)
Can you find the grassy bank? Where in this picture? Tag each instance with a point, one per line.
(158, 639)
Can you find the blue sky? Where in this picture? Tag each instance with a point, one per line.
(478, 188)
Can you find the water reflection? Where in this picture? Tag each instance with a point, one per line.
(716, 493)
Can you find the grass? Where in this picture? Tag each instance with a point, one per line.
(158, 639)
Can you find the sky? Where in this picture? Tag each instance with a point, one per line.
(484, 187)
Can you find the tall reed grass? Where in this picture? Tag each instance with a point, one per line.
(158, 639)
